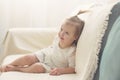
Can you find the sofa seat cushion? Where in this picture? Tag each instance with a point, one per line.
(13, 75)
(31, 76)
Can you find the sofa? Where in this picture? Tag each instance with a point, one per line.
(101, 31)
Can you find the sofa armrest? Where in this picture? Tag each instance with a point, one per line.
(22, 40)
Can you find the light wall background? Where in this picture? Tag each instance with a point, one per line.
(35, 13)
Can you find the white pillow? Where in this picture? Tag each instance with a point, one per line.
(89, 43)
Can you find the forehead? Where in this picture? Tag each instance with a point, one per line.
(68, 22)
(68, 27)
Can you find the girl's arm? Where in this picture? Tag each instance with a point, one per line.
(58, 71)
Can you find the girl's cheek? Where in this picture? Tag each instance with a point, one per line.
(67, 37)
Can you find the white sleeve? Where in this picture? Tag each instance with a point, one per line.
(40, 55)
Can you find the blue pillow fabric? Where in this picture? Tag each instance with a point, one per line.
(112, 18)
(110, 62)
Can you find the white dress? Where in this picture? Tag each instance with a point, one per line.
(55, 57)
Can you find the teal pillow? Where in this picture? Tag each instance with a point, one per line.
(112, 18)
(110, 62)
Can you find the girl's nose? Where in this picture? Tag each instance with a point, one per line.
(62, 33)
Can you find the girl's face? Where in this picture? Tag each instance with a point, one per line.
(67, 35)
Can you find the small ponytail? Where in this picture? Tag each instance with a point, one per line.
(81, 12)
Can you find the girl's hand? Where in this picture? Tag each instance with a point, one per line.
(56, 71)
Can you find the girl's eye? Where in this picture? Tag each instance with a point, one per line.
(67, 33)
(61, 29)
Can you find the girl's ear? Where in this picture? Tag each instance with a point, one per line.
(76, 37)
(75, 40)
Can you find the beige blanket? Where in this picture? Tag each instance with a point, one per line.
(27, 40)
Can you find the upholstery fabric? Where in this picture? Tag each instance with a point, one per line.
(115, 13)
(25, 40)
(110, 65)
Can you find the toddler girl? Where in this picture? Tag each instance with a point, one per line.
(58, 58)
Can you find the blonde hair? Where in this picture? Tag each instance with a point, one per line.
(78, 23)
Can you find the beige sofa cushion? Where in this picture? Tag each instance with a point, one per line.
(31, 76)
